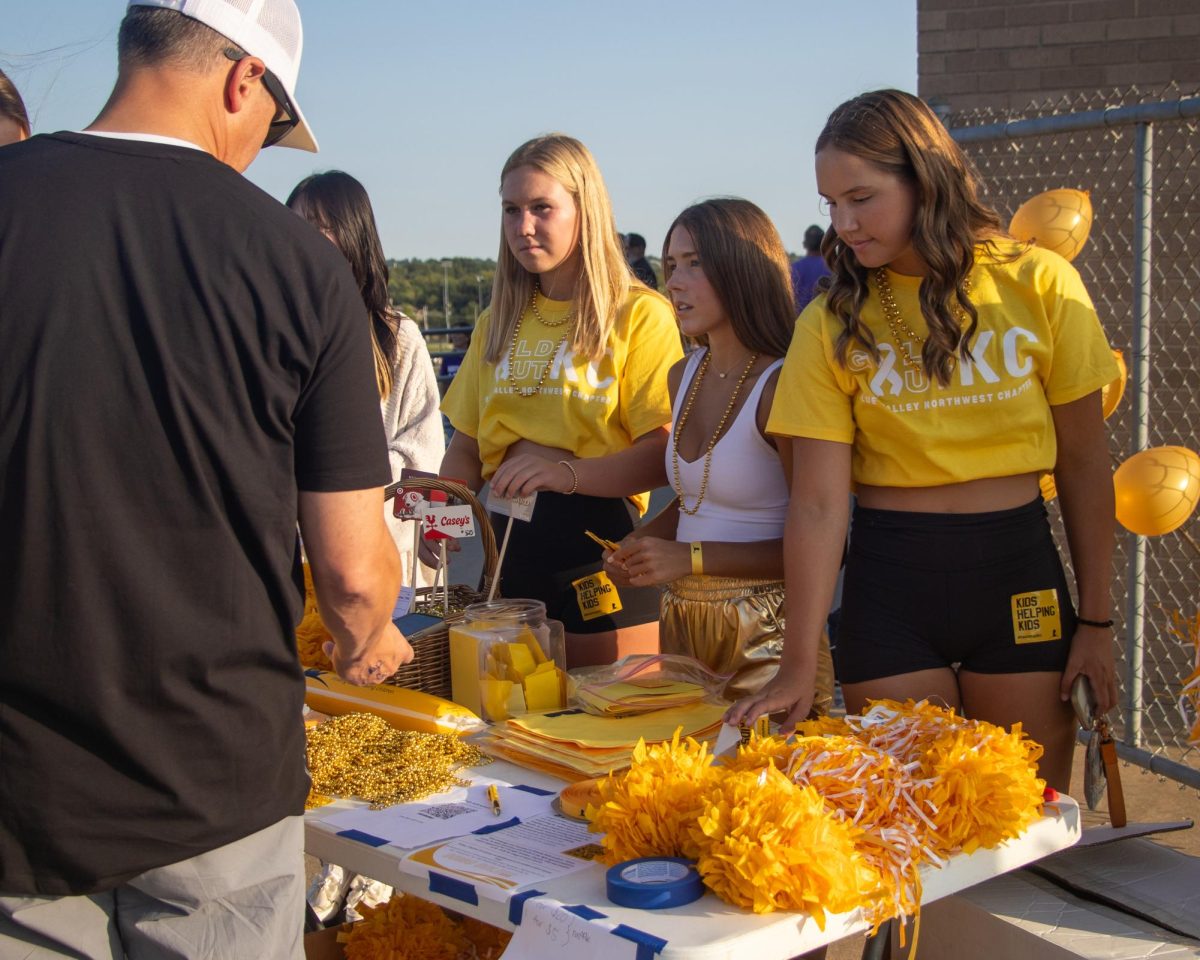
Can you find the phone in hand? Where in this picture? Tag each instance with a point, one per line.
(1084, 702)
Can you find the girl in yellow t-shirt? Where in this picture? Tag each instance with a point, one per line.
(942, 370)
(563, 392)
(717, 549)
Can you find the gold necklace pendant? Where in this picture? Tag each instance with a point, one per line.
(693, 389)
(895, 320)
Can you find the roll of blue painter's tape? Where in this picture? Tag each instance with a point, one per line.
(654, 883)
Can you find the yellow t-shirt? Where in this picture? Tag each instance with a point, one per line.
(590, 407)
(1038, 344)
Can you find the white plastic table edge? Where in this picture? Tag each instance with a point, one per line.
(708, 929)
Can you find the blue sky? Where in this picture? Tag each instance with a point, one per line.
(423, 102)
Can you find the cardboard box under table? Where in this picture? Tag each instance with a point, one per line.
(574, 910)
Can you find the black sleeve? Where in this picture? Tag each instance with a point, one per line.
(340, 443)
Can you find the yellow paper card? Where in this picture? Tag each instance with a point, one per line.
(587, 730)
(1036, 617)
(495, 696)
(596, 595)
(542, 691)
(521, 658)
(526, 637)
(516, 700)
(464, 669)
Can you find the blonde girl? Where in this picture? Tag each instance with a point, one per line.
(563, 392)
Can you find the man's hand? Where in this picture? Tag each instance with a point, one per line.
(376, 661)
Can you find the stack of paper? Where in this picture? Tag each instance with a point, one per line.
(630, 697)
(576, 745)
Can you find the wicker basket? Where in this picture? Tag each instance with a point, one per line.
(429, 670)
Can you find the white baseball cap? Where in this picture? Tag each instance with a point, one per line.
(267, 29)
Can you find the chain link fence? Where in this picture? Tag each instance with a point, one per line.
(1137, 155)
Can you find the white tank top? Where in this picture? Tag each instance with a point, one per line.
(747, 495)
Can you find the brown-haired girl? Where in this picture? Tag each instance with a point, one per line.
(946, 367)
(718, 547)
(563, 392)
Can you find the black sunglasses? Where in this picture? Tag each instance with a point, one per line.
(286, 119)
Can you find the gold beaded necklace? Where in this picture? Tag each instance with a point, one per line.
(512, 347)
(537, 288)
(712, 442)
(895, 320)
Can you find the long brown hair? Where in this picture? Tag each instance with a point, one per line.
(604, 278)
(337, 204)
(743, 257)
(899, 134)
(11, 104)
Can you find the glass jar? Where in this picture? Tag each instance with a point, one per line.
(506, 658)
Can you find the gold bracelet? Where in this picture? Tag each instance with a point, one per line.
(574, 476)
(697, 559)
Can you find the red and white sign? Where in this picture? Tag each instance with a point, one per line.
(447, 523)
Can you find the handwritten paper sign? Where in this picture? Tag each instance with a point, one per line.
(548, 932)
(519, 508)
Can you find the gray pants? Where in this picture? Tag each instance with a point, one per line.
(242, 901)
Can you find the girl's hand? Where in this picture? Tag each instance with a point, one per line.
(781, 693)
(650, 561)
(1092, 655)
(526, 473)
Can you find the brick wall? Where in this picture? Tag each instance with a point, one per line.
(1006, 53)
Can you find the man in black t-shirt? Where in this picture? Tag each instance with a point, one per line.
(185, 373)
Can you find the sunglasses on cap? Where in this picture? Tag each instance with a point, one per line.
(285, 119)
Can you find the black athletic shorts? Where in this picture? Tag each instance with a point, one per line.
(929, 590)
(548, 557)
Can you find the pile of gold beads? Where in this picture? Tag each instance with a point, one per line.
(360, 755)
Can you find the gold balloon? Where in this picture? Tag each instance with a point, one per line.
(1057, 220)
(1046, 483)
(1110, 394)
(1157, 489)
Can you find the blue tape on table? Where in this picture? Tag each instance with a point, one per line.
(648, 945)
(516, 905)
(449, 887)
(654, 883)
(583, 911)
(536, 791)
(503, 825)
(361, 837)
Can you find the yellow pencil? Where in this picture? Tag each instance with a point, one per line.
(606, 544)
(494, 796)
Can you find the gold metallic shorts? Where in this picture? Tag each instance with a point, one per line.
(735, 625)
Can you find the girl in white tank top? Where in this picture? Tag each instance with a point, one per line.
(718, 547)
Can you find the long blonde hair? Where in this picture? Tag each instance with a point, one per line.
(898, 133)
(604, 277)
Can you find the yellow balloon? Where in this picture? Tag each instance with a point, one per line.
(1057, 220)
(1157, 489)
(1110, 394)
(1046, 483)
